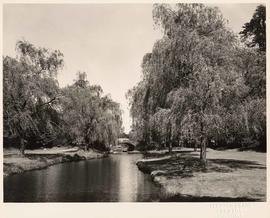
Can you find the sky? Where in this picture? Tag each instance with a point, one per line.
(107, 41)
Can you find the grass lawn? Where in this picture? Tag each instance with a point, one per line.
(229, 175)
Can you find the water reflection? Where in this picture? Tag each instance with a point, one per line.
(111, 179)
(127, 183)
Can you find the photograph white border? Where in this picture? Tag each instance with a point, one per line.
(133, 210)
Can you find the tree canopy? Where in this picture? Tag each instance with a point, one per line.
(37, 112)
(254, 31)
(89, 118)
(195, 87)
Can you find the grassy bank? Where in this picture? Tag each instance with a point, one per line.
(228, 176)
(41, 158)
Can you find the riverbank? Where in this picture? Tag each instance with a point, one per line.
(229, 175)
(42, 158)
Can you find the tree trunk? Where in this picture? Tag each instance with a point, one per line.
(203, 151)
(170, 147)
(203, 144)
(180, 145)
(195, 147)
(246, 122)
(22, 146)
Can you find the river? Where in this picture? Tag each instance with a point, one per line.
(112, 179)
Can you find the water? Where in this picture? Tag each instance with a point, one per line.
(115, 178)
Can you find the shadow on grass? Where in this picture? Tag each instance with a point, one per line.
(238, 164)
(161, 154)
(181, 198)
(188, 166)
(42, 156)
(185, 165)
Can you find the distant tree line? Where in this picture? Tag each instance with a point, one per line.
(38, 113)
(200, 85)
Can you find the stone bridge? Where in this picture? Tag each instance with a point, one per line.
(126, 144)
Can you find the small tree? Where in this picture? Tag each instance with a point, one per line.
(254, 32)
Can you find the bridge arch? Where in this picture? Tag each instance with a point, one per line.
(126, 144)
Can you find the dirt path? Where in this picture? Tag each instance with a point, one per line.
(54, 150)
(41, 158)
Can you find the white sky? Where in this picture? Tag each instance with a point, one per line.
(107, 41)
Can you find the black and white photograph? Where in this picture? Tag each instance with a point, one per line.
(134, 102)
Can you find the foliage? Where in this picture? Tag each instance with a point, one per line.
(254, 32)
(38, 113)
(30, 93)
(196, 86)
(90, 118)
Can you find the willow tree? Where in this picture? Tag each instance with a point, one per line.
(201, 54)
(90, 119)
(161, 128)
(191, 72)
(30, 93)
(139, 109)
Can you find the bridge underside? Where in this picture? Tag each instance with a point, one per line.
(128, 146)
